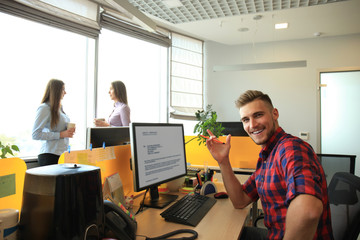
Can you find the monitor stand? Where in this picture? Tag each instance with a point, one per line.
(157, 200)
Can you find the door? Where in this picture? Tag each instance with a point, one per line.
(340, 114)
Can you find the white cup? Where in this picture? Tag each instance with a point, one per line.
(71, 125)
(8, 222)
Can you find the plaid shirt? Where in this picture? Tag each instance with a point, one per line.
(287, 167)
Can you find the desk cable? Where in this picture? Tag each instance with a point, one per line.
(166, 236)
(141, 208)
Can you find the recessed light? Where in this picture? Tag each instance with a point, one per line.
(281, 25)
(257, 17)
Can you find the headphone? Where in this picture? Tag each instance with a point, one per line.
(165, 236)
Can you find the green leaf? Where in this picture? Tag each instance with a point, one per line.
(15, 148)
(3, 153)
(10, 151)
(207, 120)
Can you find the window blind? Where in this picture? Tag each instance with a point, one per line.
(186, 84)
(48, 14)
(115, 24)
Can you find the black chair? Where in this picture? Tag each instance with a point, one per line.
(344, 198)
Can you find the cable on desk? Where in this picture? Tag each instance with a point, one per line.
(142, 203)
(166, 236)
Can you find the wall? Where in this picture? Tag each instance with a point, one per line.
(293, 90)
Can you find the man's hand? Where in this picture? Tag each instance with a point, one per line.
(219, 151)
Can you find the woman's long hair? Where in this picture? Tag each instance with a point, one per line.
(120, 91)
(52, 95)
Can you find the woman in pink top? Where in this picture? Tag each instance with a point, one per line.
(120, 116)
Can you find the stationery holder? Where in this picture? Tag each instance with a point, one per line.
(208, 188)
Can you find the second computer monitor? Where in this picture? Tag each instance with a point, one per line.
(234, 128)
(107, 136)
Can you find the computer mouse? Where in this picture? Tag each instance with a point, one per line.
(221, 195)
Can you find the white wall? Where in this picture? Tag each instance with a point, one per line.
(293, 91)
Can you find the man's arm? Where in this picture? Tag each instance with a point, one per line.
(233, 187)
(220, 153)
(302, 217)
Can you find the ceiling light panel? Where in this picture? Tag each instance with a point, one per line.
(198, 10)
(281, 25)
(172, 3)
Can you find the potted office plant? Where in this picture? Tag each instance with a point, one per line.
(7, 149)
(207, 120)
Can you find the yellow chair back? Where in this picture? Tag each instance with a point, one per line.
(12, 177)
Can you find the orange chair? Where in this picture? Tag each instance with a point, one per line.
(12, 176)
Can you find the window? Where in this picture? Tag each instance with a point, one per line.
(32, 54)
(186, 76)
(142, 66)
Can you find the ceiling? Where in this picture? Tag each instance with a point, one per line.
(224, 21)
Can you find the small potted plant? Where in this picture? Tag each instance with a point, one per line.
(7, 149)
(207, 120)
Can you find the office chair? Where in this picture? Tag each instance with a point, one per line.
(12, 176)
(344, 198)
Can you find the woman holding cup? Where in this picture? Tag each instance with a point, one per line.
(120, 115)
(52, 125)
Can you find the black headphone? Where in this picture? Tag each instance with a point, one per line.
(165, 236)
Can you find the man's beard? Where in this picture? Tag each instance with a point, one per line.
(268, 136)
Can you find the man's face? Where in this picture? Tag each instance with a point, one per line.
(259, 120)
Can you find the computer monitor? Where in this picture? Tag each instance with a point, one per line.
(333, 163)
(108, 136)
(234, 128)
(158, 156)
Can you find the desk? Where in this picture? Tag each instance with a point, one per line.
(221, 222)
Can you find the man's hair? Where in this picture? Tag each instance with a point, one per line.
(251, 95)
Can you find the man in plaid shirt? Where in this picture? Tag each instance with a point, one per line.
(289, 179)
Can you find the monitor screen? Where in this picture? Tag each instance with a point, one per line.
(108, 136)
(158, 156)
(234, 128)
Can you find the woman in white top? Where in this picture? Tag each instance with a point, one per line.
(120, 115)
(51, 124)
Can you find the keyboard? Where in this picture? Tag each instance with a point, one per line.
(189, 210)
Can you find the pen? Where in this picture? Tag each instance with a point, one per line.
(216, 140)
